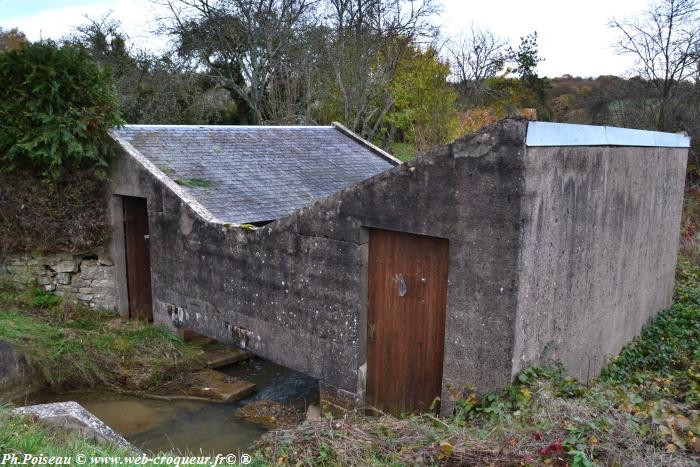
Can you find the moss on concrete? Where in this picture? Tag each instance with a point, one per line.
(195, 182)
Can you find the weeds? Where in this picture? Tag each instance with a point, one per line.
(66, 215)
(690, 225)
(73, 346)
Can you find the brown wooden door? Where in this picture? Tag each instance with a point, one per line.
(406, 320)
(138, 258)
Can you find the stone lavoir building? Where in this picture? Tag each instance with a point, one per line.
(394, 284)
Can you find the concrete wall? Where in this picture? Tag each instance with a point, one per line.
(599, 250)
(295, 291)
(469, 193)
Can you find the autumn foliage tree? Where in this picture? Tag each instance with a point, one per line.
(423, 111)
(11, 39)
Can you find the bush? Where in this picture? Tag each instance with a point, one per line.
(56, 108)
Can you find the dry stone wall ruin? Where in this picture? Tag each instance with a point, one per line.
(86, 278)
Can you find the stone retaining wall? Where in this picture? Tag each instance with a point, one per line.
(87, 277)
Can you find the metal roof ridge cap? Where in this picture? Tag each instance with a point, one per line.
(662, 139)
(357, 138)
(146, 163)
(542, 134)
(248, 127)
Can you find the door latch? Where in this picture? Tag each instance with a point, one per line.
(371, 333)
(402, 285)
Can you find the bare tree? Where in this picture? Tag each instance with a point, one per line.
(298, 82)
(242, 42)
(474, 57)
(367, 40)
(303, 60)
(664, 43)
(150, 88)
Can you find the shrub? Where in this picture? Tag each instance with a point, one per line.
(56, 106)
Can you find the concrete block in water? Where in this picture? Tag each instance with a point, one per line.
(17, 378)
(225, 355)
(220, 387)
(72, 417)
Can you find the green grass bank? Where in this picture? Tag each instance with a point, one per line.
(71, 346)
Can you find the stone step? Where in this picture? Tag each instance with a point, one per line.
(222, 355)
(219, 387)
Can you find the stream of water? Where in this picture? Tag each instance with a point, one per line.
(154, 425)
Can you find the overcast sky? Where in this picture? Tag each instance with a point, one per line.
(574, 37)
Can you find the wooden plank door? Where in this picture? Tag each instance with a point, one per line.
(406, 320)
(138, 258)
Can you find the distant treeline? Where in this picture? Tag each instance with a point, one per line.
(383, 69)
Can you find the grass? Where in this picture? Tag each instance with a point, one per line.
(72, 346)
(644, 409)
(403, 151)
(24, 435)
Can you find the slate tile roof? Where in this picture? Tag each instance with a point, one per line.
(245, 174)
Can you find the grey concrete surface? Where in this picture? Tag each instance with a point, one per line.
(599, 251)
